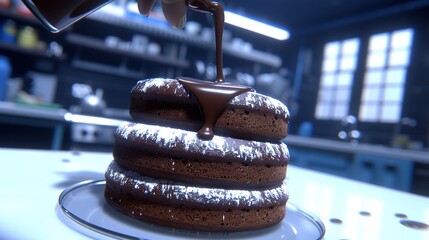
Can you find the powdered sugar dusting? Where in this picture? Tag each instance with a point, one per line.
(182, 193)
(256, 100)
(167, 138)
(158, 85)
(155, 82)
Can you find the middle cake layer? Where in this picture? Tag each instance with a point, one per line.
(175, 154)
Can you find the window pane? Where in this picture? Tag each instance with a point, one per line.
(402, 38)
(393, 94)
(345, 79)
(322, 110)
(395, 76)
(348, 63)
(390, 113)
(328, 80)
(379, 42)
(339, 63)
(332, 49)
(374, 77)
(340, 111)
(376, 60)
(343, 96)
(387, 61)
(371, 94)
(399, 57)
(350, 46)
(330, 64)
(326, 95)
(368, 112)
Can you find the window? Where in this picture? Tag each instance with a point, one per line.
(338, 67)
(385, 76)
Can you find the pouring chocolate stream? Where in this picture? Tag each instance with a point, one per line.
(212, 96)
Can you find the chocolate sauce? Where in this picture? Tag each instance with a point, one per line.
(59, 14)
(336, 220)
(401, 215)
(211, 98)
(364, 213)
(216, 9)
(414, 224)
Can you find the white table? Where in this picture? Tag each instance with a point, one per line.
(32, 180)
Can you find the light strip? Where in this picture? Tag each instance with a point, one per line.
(255, 26)
(77, 118)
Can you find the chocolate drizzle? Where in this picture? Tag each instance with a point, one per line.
(212, 97)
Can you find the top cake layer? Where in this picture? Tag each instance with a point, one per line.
(248, 116)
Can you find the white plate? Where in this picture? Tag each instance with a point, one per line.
(84, 204)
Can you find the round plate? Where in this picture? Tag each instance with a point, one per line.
(84, 204)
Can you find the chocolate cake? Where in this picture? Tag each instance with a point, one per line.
(165, 173)
(203, 156)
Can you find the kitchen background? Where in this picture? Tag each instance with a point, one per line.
(353, 74)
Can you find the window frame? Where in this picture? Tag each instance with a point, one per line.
(332, 106)
(385, 109)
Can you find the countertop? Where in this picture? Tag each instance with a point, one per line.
(360, 148)
(32, 180)
(32, 111)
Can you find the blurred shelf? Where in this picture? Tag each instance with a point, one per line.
(181, 36)
(253, 55)
(28, 51)
(107, 69)
(11, 14)
(93, 43)
(149, 27)
(155, 29)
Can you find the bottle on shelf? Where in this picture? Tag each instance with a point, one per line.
(5, 72)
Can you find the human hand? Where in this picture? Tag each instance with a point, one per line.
(174, 10)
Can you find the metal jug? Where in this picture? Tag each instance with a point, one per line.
(57, 15)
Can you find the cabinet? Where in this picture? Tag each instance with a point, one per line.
(388, 172)
(383, 171)
(340, 164)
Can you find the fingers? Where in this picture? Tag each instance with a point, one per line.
(175, 12)
(145, 6)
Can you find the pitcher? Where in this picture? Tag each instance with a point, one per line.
(57, 15)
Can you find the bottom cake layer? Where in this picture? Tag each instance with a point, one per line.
(217, 220)
(193, 207)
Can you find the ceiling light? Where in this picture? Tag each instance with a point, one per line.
(255, 26)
